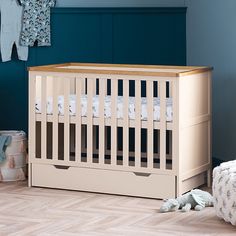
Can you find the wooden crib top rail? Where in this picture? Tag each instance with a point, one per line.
(122, 69)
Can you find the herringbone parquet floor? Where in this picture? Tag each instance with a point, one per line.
(47, 212)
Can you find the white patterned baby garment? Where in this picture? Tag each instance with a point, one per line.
(36, 22)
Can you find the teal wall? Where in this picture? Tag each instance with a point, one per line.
(211, 40)
(112, 35)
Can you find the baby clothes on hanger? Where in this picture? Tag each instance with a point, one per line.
(11, 18)
(36, 22)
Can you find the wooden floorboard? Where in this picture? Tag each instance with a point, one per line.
(37, 211)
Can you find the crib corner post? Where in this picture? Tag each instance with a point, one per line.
(176, 125)
(32, 123)
(209, 172)
(29, 175)
(209, 178)
(176, 134)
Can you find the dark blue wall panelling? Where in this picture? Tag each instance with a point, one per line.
(111, 35)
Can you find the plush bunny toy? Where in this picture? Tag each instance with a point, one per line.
(195, 199)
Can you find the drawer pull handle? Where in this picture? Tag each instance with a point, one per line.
(142, 174)
(62, 167)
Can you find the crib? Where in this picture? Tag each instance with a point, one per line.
(136, 130)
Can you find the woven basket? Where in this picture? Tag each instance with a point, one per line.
(14, 167)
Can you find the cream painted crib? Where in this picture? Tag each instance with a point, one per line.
(120, 129)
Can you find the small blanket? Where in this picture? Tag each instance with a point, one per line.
(4, 142)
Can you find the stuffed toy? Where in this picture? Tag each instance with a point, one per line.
(195, 199)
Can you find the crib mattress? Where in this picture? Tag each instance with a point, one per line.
(107, 107)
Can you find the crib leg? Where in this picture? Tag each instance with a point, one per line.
(29, 175)
(209, 178)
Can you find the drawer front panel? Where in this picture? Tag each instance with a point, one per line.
(104, 181)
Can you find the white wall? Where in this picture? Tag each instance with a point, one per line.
(211, 40)
(119, 3)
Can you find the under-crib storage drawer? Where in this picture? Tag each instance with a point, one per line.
(104, 181)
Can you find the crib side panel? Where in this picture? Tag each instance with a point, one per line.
(195, 129)
(58, 86)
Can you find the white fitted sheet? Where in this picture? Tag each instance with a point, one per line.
(107, 107)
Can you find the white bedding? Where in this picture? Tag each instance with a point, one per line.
(107, 107)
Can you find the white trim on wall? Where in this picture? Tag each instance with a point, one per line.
(120, 3)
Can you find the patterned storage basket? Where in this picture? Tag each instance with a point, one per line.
(14, 167)
(224, 191)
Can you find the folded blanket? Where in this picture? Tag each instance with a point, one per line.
(4, 142)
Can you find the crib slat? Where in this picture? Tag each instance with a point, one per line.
(126, 122)
(55, 119)
(78, 91)
(83, 128)
(66, 119)
(137, 123)
(44, 117)
(106, 133)
(150, 123)
(162, 124)
(90, 83)
(114, 94)
(102, 93)
(94, 127)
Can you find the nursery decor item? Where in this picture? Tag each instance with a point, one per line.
(36, 22)
(87, 123)
(11, 24)
(224, 191)
(195, 199)
(13, 168)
